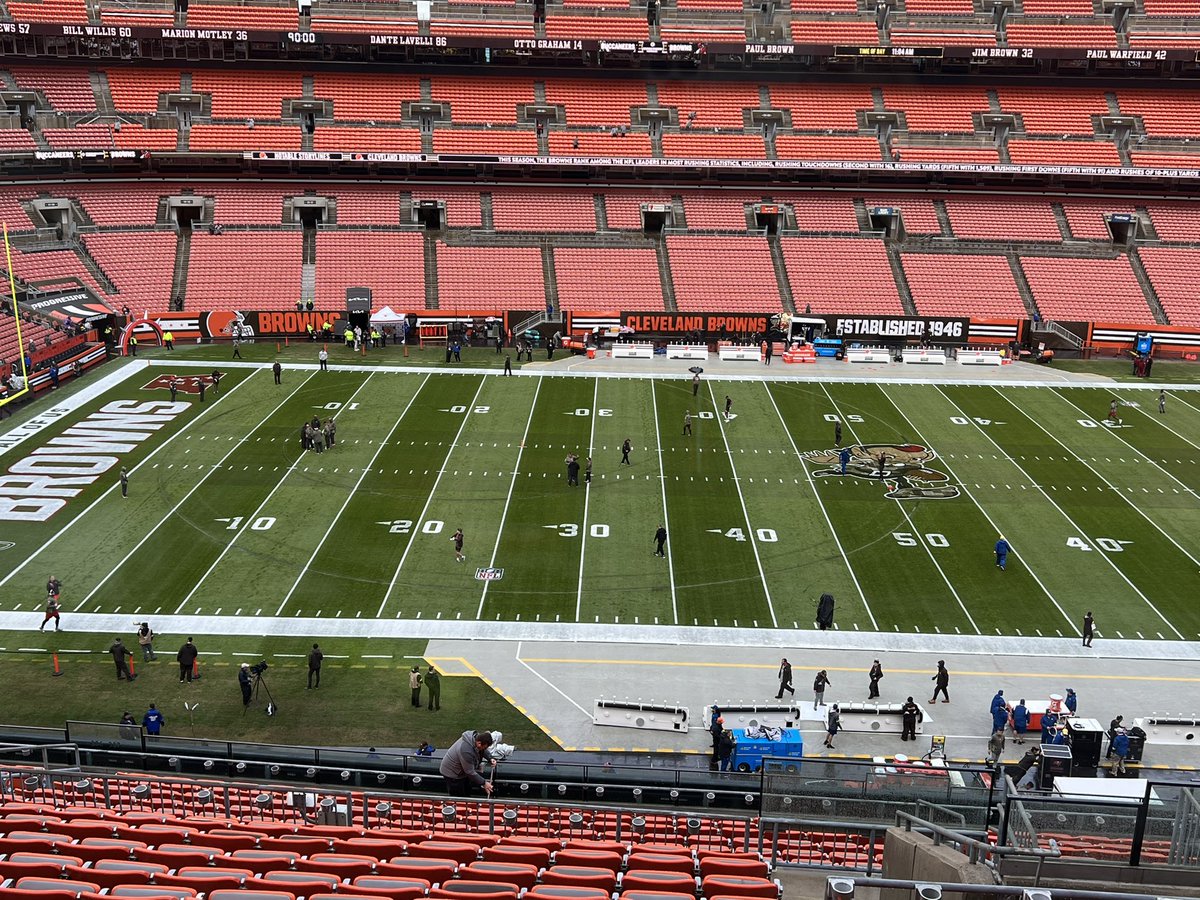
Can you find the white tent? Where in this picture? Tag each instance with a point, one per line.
(386, 316)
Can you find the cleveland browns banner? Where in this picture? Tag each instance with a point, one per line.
(185, 326)
(712, 323)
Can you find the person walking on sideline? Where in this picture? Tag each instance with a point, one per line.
(833, 725)
(186, 657)
(146, 642)
(941, 681)
(687, 423)
(725, 748)
(785, 679)
(625, 448)
(120, 655)
(433, 686)
(1162, 401)
(1020, 721)
(1089, 629)
(52, 609)
(124, 476)
(1001, 553)
(910, 714)
(696, 384)
(876, 674)
(819, 684)
(995, 746)
(414, 684)
(1120, 751)
(728, 407)
(153, 720)
(315, 658)
(660, 540)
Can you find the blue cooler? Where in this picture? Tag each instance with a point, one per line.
(749, 754)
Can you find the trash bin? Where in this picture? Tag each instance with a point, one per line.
(1137, 744)
(591, 352)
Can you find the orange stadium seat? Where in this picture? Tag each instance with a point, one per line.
(581, 876)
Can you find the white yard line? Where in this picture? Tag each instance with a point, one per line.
(254, 515)
(174, 509)
(549, 683)
(908, 518)
(350, 496)
(116, 484)
(828, 522)
(662, 480)
(962, 484)
(507, 500)
(1033, 482)
(751, 536)
(1113, 487)
(1160, 419)
(587, 496)
(416, 527)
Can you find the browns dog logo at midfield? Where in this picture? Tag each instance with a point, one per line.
(904, 469)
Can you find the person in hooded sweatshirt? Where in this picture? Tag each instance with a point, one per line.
(460, 766)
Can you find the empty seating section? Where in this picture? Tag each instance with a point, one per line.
(822, 106)
(841, 275)
(137, 90)
(382, 140)
(12, 213)
(635, 144)
(825, 6)
(549, 210)
(357, 25)
(1086, 217)
(504, 143)
(395, 261)
(1051, 111)
(1080, 8)
(96, 136)
(817, 212)
(117, 204)
(470, 277)
(713, 272)
(1063, 153)
(241, 137)
(616, 278)
(1175, 221)
(937, 109)
(140, 265)
(624, 209)
(691, 145)
(1165, 160)
(49, 11)
(716, 105)
(1025, 35)
(594, 102)
(734, 6)
(480, 100)
(483, 28)
(272, 18)
(725, 210)
(1102, 290)
(357, 99)
(268, 269)
(917, 212)
(952, 153)
(247, 94)
(597, 27)
(138, 137)
(824, 32)
(1173, 9)
(994, 218)
(953, 285)
(810, 146)
(68, 90)
(929, 36)
(53, 267)
(1175, 272)
(248, 205)
(1163, 113)
(16, 140)
(462, 204)
(365, 205)
(1164, 40)
(939, 7)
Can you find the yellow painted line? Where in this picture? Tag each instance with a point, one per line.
(775, 667)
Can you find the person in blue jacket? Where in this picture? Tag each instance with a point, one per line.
(1049, 723)
(1020, 720)
(1120, 751)
(999, 716)
(153, 720)
(1072, 701)
(1001, 553)
(844, 459)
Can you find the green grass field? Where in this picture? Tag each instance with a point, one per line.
(227, 516)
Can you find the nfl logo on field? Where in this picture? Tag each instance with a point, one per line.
(489, 574)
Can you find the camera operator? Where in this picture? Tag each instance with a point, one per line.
(244, 683)
(460, 766)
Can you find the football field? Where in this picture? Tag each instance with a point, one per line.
(227, 515)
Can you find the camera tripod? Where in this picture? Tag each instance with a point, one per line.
(261, 682)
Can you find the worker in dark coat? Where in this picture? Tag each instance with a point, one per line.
(825, 612)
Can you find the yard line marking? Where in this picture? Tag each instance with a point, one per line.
(746, 513)
(908, 518)
(662, 481)
(512, 484)
(350, 495)
(1140, 512)
(979, 506)
(833, 531)
(1063, 512)
(543, 678)
(193, 489)
(254, 516)
(115, 484)
(587, 496)
(1160, 420)
(412, 537)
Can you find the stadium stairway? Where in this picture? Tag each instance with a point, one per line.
(1061, 216)
(902, 285)
(785, 287)
(664, 274)
(1139, 271)
(1022, 284)
(179, 277)
(431, 272)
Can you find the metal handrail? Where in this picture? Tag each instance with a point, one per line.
(977, 848)
(835, 884)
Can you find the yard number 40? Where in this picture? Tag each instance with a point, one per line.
(1110, 544)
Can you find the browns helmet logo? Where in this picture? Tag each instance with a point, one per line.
(184, 384)
(904, 469)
